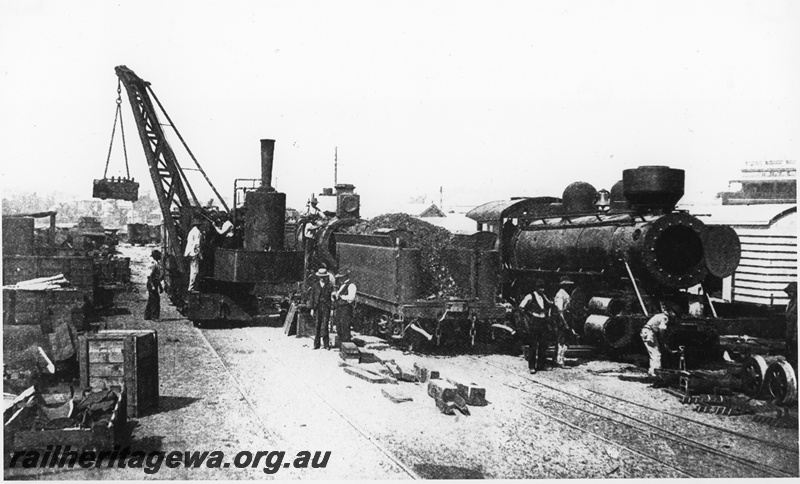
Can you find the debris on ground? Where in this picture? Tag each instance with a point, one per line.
(397, 395)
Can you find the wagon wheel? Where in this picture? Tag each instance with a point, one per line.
(753, 373)
(781, 383)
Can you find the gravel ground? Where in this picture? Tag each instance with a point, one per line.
(256, 389)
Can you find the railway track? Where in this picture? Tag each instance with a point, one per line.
(632, 426)
(366, 436)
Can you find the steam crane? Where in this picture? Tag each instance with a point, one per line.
(243, 283)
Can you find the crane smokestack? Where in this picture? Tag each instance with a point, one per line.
(267, 150)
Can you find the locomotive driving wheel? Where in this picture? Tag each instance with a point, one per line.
(753, 373)
(781, 382)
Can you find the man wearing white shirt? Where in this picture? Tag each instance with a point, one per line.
(563, 329)
(653, 336)
(225, 230)
(194, 252)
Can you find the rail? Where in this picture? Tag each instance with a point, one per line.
(642, 427)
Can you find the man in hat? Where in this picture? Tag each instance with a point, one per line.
(536, 309)
(791, 323)
(194, 252)
(152, 311)
(653, 334)
(345, 300)
(563, 329)
(319, 299)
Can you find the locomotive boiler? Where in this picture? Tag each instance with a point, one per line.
(628, 250)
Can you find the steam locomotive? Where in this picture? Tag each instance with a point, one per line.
(628, 250)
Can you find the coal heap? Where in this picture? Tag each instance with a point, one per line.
(435, 279)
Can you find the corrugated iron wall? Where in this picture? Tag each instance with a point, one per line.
(768, 263)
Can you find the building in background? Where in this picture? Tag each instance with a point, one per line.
(762, 208)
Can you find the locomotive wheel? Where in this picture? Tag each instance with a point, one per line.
(753, 372)
(781, 383)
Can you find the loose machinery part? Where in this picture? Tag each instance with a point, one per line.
(613, 331)
(754, 372)
(781, 382)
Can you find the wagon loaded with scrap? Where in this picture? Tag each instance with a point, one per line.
(408, 291)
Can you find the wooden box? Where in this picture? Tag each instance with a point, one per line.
(306, 325)
(103, 435)
(127, 358)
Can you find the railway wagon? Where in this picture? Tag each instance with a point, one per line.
(391, 302)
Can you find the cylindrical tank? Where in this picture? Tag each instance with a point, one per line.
(613, 331)
(611, 306)
(265, 218)
(665, 249)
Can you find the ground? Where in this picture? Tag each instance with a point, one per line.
(255, 389)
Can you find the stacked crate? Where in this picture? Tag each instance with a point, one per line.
(126, 358)
(40, 318)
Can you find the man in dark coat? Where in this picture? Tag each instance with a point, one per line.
(345, 300)
(152, 311)
(319, 300)
(535, 308)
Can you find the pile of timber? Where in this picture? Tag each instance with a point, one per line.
(449, 394)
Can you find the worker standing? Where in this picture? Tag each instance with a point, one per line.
(345, 301)
(791, 323)
(311, 222)
(194, 244)
(225, 231)
(320, 297)
(653, 334)
(563, 329)
(536, 309)
(152, 311)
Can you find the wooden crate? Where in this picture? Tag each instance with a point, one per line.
(42, 307)
(127, 358)
(101, 436)
(306, 325)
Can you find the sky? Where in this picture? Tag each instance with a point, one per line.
(487, 100)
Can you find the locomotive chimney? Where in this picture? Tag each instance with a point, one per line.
(265, 218)
(267, 150)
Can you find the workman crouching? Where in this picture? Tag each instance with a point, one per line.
(653, 334)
